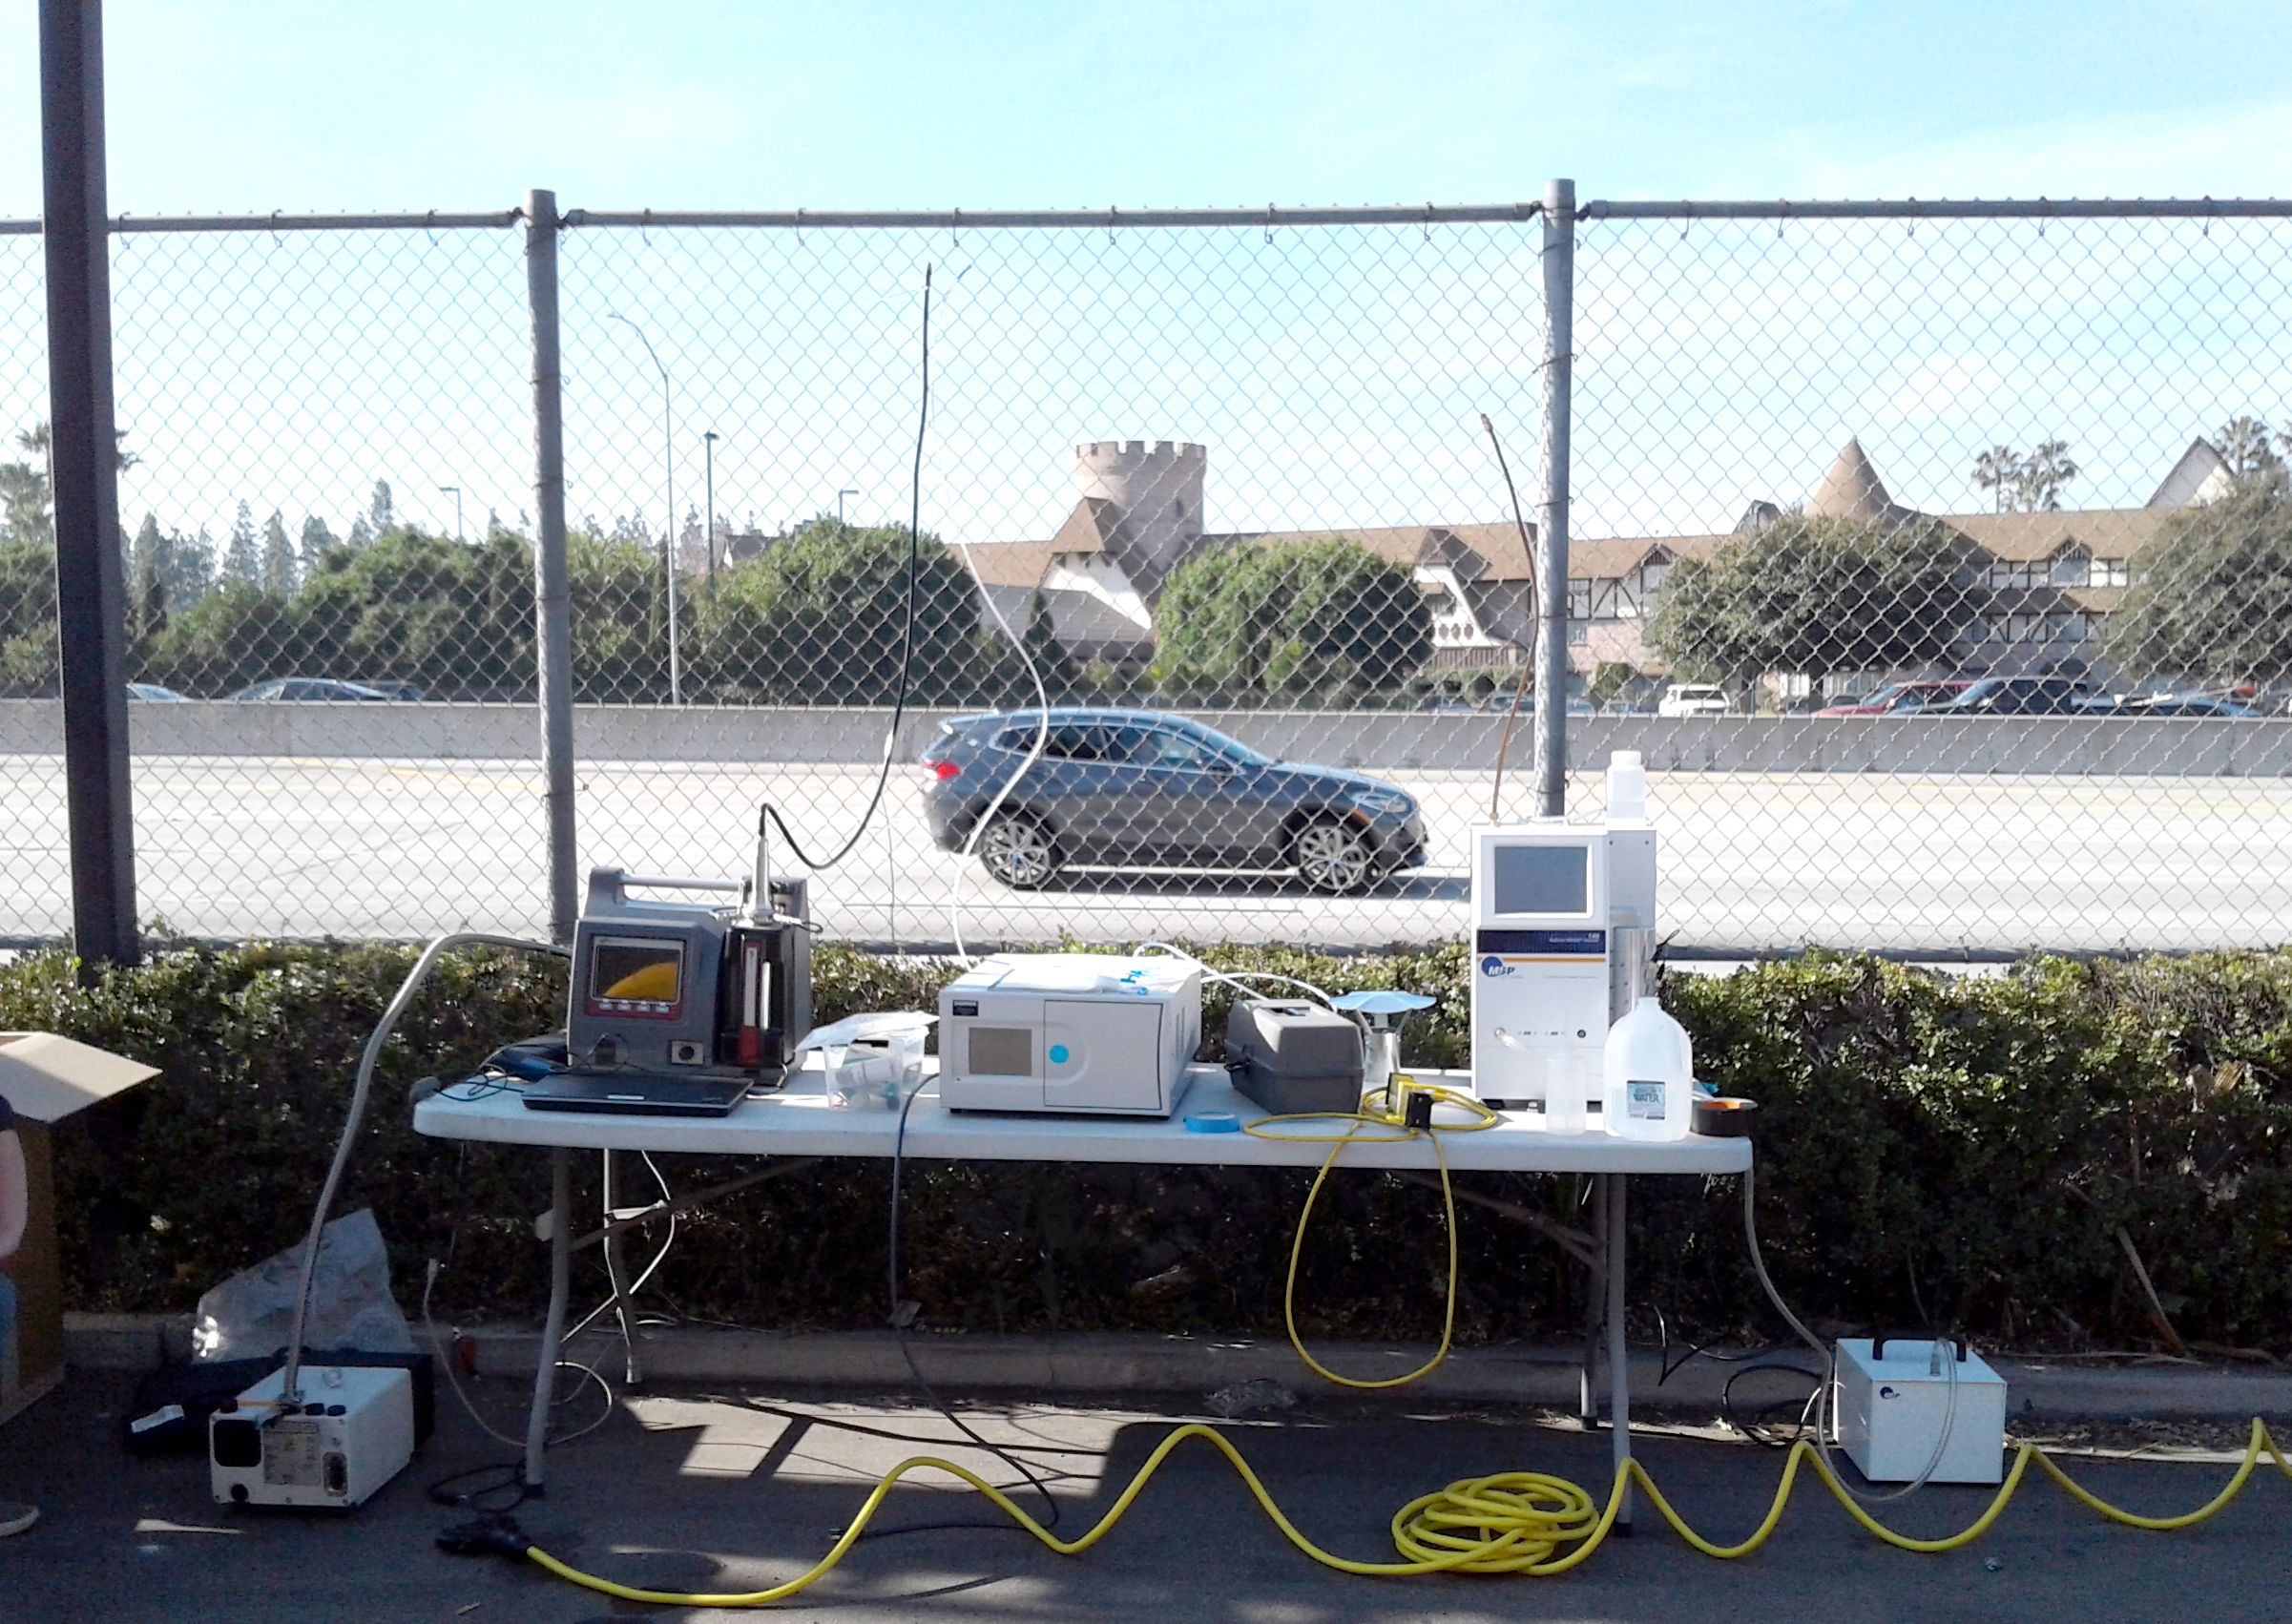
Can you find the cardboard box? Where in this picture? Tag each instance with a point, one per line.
(46, 1078)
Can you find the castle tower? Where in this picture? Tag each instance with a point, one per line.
(1158, 493)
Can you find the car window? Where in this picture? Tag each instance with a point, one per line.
(1130, 744)
(1219, 745)
(265, 690)
(1082, 741)
(1164, 748)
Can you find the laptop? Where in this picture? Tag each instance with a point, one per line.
(630, 1093)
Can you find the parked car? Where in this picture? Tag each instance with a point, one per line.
(1693, 699)
(1899, 696)
(1124, 788)
(308, 688)
(153, 692)
(2013, 696)
(2181, 705)
(389, 688)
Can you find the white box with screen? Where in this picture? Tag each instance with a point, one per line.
(1541, 928)
(1069, 1032)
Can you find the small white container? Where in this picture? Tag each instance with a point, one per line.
(1627, 788)
(1649, 1071)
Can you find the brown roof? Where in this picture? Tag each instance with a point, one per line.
(2107, 532)
(1851, 489)
(1008, 563)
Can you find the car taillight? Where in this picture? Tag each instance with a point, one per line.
(942, 771)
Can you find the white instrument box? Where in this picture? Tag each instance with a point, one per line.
(1088, 1033)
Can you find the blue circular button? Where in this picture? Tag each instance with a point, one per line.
(1058, 1054)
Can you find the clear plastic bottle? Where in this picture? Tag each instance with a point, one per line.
(1627, 788)
(1649, 1073)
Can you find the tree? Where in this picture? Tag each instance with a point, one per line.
(28, 639)
(2031, 484)
(316, 543)
(820, 616)
(2043, 474)
(2246, 446)
(2211, 596)
(1291, 617)
(1818, 595)
(279, 571)
(379, 514)
(1998, 471)
(241, 563)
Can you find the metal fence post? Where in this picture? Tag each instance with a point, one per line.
(553, 630)
(83, 462)
(1552, 536)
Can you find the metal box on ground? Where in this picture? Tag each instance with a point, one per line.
(1089, 1032)
(1892, 1398)
(353, 1431)
(1294, 1057)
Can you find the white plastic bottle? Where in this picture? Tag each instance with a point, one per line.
(1627, 788)
(1648, 1070)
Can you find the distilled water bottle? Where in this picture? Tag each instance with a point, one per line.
(1648, 1070)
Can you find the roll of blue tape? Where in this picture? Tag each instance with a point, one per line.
(1214, 1122)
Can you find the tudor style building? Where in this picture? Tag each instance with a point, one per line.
(1139, 514)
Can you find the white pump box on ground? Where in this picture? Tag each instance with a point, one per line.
(353, 1431)
(1892, 1406)
(1090, 1032)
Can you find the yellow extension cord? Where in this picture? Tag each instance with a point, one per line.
(1511, 1522)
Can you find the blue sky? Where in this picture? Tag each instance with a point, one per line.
(902, 103)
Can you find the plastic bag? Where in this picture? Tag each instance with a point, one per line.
(252, 1315)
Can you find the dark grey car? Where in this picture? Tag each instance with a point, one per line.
(1147, 788)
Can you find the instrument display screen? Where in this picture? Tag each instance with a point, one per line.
(1540, 878)
(636, 975)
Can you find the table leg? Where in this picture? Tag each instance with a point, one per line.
(553, 1328)
(1596, 1308)
(1619, 1383)
(616, 1271)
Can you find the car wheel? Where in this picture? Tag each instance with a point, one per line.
(1331, 855)
(1018, 850)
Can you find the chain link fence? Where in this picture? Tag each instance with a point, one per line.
(1221, 492)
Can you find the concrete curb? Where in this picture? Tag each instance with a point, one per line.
(1133, 1363)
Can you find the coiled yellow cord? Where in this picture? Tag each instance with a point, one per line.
(1379, 1109)
(1509, 1522)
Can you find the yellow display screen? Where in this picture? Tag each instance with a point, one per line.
(636, 970)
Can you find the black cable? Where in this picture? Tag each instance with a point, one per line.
(513, 1479)
(1755, 1429)
(907, 642)
(898, 1333)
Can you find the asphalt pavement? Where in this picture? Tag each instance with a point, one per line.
(309, 847)
(726, 1488)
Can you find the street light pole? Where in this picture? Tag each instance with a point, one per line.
(839, 495)
(455, 492)
(668, 539)
(708, 442)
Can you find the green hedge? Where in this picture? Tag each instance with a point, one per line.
(1935, 1150)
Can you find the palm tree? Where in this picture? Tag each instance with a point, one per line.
(1998, 469)
(2047, 470)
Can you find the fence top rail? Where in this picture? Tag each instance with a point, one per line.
(1916, 208)
(434, 219)
(1021, 220)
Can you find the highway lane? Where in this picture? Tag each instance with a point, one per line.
(307, 847)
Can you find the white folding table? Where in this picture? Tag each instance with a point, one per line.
(799, 1121)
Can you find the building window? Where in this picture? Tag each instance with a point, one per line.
(2110, 572)
(2071, 568)
(1651, 577)
(2068, 626)
(1578, 634)
(1580, 597)
(2006, 577)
